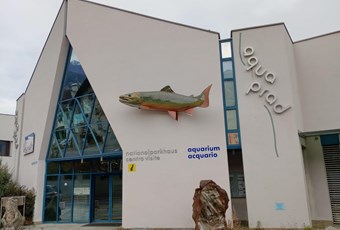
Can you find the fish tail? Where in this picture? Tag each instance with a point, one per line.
(205, 96)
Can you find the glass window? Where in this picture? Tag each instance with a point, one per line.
(53, 168)
(4, 148)
(229, 93)
(233, 139)
(51, 210)
(226, 49)
(227, 67)
(81, 127)
(231, 119)
(111, 144)
(82, 167)
(66, 167)
(81, 198)
(65, 197)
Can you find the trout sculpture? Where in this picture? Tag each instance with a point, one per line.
(166, 100)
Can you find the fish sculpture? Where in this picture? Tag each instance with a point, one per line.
(166, 100)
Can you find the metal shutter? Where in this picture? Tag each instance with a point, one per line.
(332, 161)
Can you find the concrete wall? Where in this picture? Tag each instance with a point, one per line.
(318, 69)
(6, 134)
(317, 180)
(38, 109)
(122, 52)
(272, 156)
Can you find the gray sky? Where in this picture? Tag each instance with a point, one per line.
(25, 25)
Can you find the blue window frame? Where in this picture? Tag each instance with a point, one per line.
(81, 129)
(230, 97)
(82, 147)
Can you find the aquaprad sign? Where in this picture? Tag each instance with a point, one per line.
(267, 77)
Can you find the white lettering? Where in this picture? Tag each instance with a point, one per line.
(248, 51)
(254, 87)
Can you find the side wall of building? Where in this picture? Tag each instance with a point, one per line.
(6, 134)
(269, 123)
(318, 76)
(317, 180)
(123, 52)
(38, 109)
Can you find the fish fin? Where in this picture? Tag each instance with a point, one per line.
(189, 111)
(173, 114)
(144, 107)
(205, 97)
(167, 89)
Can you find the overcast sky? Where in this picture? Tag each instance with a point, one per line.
(25, 25)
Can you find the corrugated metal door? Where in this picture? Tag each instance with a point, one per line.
(332, 162)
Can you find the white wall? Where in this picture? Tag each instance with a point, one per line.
(274, 177)
(6, 134)
(123, 52)
(39, 109)
(317, 180)
(318, 75)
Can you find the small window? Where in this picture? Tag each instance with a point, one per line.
(4, 148)
(226, 49)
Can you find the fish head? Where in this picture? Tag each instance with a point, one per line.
(131, 99)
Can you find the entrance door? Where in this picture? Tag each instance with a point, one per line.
(107, 198)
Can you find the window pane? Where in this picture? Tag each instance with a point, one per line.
(53, 168)
(227, 68)
(229, 93)
(82, 167)
(66, 167)
(111, 144)
(65, 198)
(74, 143)
(74, 78)
(231, 119)
(233, 139)
(4, 148)
(81, 197)
(226, 49)
(51, 199)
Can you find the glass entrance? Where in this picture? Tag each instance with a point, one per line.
(107, 198)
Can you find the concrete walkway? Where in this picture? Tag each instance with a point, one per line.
(70, 226)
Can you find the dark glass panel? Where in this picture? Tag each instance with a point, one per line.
(55, 149)
(231, 119)
(229, 93)
(86, 103)
(116, 165)
(81, 198)
(98, 113)
(101, 198)
(74, 78)
(227, 67)
(91, 147)
(75, 142)
(53, 168)
(111, 144)
(82, 167)
(116, 197)
(66, 167)
(51, 209)
(65, 198)
(79, 118)
(100, 130)
(101, 166)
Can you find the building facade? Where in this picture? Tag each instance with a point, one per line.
(269, 137)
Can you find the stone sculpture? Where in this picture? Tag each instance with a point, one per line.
(209, 207)
(12, 219)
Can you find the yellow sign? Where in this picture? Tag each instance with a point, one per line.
(132, 167)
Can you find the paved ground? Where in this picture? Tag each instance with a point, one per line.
(81, 227)
(70, 226)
